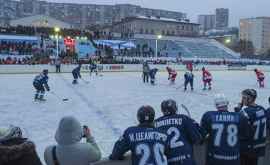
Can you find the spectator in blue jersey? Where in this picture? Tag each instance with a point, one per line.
(182, 133)
(188, 80)
(147, 144)
(40, 83)
(152, 75)
(76, 74)
(268, 115)
(254, 147)
(224, 131)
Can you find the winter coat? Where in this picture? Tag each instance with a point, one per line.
(69, 150)
(18, 151)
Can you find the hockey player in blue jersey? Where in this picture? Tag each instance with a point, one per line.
(224, 130)
(182, 133)
(152, 75)
(40, 83)
(76, 74)
(254, 147)
(146, 143)
(188, 80)
(93, 68)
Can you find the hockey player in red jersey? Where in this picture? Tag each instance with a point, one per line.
(172, 74)
(260, 77)
(207, 79)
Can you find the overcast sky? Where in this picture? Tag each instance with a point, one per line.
(238, 8)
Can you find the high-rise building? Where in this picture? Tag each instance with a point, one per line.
(207, 22)
(256, 30)
(222, 18)
(80, 15)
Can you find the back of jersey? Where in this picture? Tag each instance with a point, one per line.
(224, 129)
(257, 117)
(147, 145)
(39, 79)
(182, 132)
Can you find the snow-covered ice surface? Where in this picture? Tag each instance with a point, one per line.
(109, 104)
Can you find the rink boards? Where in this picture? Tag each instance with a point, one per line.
(22, 69)
(199, 154)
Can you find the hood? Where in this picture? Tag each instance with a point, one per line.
(15, 149)
(69, 131)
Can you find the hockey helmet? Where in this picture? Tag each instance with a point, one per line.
(146, 114)
(169, 107)
(221, 101)
(45, 71)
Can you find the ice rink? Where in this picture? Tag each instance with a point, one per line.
(108, 104)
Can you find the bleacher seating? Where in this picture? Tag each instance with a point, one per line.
(189, 48)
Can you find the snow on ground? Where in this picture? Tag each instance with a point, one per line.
(108, 104)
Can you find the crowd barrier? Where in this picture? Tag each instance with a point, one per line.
(199, 155)
(20, 69)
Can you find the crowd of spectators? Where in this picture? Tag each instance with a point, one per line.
(109, 55)
(17, 48)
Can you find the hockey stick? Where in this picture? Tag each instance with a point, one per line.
(179, 86)
(86, 82)
(64, 99)
(186, 109)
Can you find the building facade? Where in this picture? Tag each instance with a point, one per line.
(256, 30)
(222, 18)
(131, 26)
(80, 15)
(207, 22)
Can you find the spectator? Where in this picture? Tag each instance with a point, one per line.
(182, 132)
(16, 150)
(58, 65)
(143, 141)
(146, 70)
(69, 150)
(254, 147)
(224, 130)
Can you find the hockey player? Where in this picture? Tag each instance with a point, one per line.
(260, 77)
(188, 80)
(189, 66)
(207, 79)
(146, 70)
(254, 147)
(76, 74)
(93, 68)
(224, 130)
(146, 143)
(172, 74)
(40, 83)
(182, 133)
(152, 75)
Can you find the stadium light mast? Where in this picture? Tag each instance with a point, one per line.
(158, 38)
(57, 30)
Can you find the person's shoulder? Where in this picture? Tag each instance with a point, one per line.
(161, 118)
(131, 129)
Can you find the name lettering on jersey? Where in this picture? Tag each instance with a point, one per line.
(226, 118)
(141, 136)
(168, 122)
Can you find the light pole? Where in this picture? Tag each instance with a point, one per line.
(57, 30)
(158, 37)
